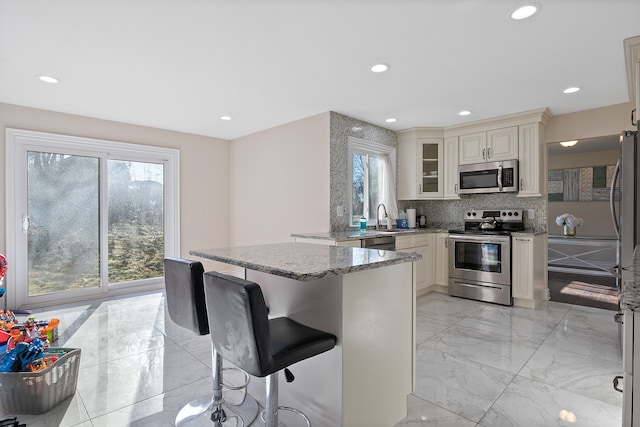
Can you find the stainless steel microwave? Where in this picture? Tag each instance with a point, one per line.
(489, 177)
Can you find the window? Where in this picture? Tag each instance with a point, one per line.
(86, 217)
(372, 180)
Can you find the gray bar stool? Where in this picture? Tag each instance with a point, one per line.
(242, 334)
(186, 306)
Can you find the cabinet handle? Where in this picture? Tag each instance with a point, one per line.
(446, 242)
(419, 188)
(489, 153)
(634, 122)
(484, 150)
(455, 188)
(521, 184)
(616, 382)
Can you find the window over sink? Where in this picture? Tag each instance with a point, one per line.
(372, 171)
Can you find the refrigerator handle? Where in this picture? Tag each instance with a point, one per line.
(634, 122)
(612, 204)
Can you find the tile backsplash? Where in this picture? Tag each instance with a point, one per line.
(341, 128)
(449, 213)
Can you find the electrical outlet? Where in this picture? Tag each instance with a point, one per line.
(340, 210)
(531, 213)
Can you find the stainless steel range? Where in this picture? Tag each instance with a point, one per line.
(480, 255)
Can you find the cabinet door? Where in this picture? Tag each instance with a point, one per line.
(450, 190)
(531, 162)
(442, 259)
(473, 148)
(422, 269)
(430, 166)
(407, 173)
(522, 268)
(502, 144)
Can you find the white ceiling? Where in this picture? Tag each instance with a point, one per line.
(181, 64)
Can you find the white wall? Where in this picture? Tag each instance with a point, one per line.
(279, 181)
(204, 167)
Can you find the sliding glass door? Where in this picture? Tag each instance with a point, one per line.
(92, 218)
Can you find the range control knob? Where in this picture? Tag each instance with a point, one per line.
(515, 213)
(510, 213)
(504, 214)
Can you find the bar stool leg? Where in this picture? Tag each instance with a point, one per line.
(216, 412)
(271, 405)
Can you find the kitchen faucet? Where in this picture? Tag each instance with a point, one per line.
(378, 215)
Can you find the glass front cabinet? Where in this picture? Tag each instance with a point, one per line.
(430, 168)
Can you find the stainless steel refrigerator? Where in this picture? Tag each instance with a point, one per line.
(628, 228)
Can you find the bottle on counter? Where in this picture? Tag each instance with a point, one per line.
(363, 223)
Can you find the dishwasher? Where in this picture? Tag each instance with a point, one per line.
(387, 243)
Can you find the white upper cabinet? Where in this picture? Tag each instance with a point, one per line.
(490, 146)
(428, 158)
(421, 164)
(632, 59)
(430, 168)
(532, 179)
(450, 190)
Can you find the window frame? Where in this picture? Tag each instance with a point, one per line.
(18, 143)
(370, 148)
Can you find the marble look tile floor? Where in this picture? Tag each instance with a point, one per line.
(486, 365)
(477, 365)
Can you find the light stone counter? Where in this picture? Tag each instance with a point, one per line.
(303, 261)
(343, 236)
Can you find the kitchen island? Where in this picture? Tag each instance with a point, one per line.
(366, 298)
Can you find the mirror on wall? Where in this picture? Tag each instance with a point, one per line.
(579, 176)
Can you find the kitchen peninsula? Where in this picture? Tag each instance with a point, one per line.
(363, 296)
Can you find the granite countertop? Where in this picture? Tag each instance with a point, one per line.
(304, 261)
(630, 299)
(341, 236)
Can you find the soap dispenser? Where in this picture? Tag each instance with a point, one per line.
(363, 223)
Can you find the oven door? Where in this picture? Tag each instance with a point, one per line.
(480, 258)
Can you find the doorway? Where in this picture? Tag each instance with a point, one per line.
(579, 180)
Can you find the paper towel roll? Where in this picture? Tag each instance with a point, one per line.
(411, 218)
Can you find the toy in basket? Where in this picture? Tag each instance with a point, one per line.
(38, 392)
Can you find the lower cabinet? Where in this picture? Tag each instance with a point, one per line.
(442, 259)
(424, 245)
(528, 278)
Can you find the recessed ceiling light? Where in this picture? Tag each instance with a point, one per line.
(225, 118)
(569, 143)
(49, 79)
(380, 68)
(390, 120)
(464, 113)
(525, 11)
(573, 89)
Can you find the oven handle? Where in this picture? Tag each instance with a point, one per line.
(500, 178)
(477, 285)
(484, 238)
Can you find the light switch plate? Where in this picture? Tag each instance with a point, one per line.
(531, 213)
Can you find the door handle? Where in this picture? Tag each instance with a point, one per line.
(489, 153)
(616, 382)
(484, 150)
(25, 223)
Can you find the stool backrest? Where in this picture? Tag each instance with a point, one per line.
(241, 334)
(185, 294)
